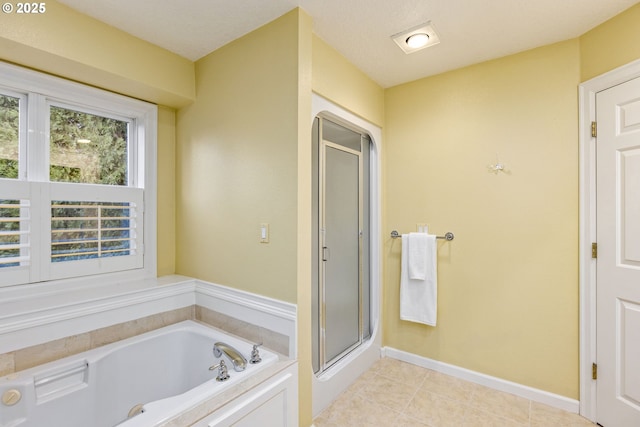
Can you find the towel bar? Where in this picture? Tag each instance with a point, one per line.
(448, 236)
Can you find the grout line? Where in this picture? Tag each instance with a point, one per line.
(414, 393)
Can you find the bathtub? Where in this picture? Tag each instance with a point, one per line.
(141, 381)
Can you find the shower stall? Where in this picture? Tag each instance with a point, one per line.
(341, 241)
(345, 306)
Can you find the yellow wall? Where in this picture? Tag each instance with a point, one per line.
(339, 81)
(305, 369)
(166, 191)
(71, 45)
(237, 164)
(64, 42)
(508, 283)
(243, 158)
(611, 45)
(508, 302)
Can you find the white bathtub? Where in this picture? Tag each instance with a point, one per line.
(166, 371)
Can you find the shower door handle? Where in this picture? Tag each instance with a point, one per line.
(325, 253)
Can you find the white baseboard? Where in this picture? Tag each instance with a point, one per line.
(541, 396)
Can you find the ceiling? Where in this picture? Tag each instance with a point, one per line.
(470, 31)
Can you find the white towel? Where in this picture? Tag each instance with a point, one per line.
(419, 298)
(418, 255)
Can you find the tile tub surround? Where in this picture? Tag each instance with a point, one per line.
(42, 353)
(396, 394)
(53, 350)
(7, 364)
(256, 334)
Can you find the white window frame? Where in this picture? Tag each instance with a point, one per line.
(40, 91)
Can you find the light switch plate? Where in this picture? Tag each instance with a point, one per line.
(264, 232)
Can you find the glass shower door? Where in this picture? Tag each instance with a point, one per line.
(341, 250)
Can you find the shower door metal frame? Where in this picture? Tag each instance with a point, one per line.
(323, 144)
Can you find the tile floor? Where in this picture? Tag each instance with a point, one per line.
(398, 394)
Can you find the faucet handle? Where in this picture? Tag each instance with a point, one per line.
(223, 372)
(255, 354)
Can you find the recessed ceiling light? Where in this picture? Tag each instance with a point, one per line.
(416, 38)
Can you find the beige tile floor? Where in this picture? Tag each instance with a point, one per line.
(399, 394)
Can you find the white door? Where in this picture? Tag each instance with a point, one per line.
(618, 262)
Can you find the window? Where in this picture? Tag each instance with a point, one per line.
(77, 180)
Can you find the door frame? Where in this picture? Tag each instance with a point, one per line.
(588, 222)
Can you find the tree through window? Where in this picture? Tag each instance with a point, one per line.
(87, 148)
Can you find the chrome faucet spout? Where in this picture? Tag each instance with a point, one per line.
(237, 360)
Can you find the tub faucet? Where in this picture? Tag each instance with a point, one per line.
(255, 354)
(237, 359)
(223, 374)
